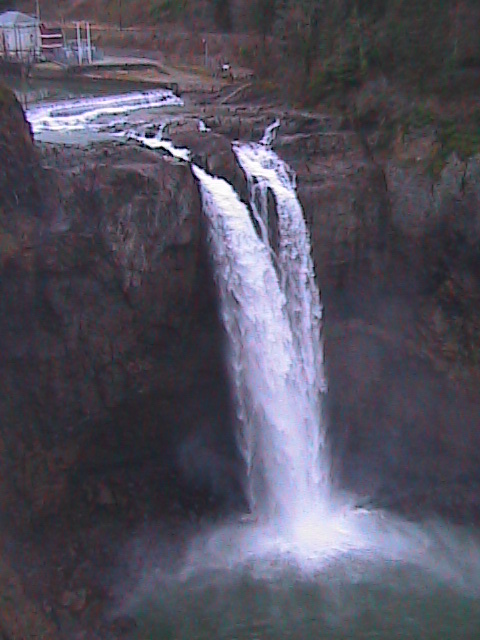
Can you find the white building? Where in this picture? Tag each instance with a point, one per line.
(20, 37)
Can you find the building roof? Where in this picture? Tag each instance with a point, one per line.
(16, 19)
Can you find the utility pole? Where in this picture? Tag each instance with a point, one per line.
(79, 44)
(38, 38)
(89, 43)
(120, 26)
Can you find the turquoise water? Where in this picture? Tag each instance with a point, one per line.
(349, 601)
(387, 579)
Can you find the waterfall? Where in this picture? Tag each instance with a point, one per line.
(269, 302)
(275, 375)
(270, 133)
(272, 316)
(271, 312)
(265, 172)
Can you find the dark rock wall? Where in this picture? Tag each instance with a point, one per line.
(110, 344)
(111, 353)
(396, 252)
(17, 157)
(396, 260)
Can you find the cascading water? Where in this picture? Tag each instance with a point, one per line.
(158, 142)
(273, 383)
(265, 171)
(272, 314)
(270, 133)
(270, 306)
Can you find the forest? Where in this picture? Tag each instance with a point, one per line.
(342, 42)
(312, 44)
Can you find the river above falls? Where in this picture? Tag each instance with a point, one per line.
(80, 112)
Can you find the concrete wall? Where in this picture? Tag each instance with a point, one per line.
(20, 41)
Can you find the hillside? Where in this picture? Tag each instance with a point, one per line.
(316, 43)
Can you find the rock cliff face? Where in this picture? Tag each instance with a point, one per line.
(110, 347)
(17, 155)
(397, 262)
(395, 253)
(114, 395)
(115, 401)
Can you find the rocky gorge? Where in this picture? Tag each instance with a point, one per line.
(115, 402)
